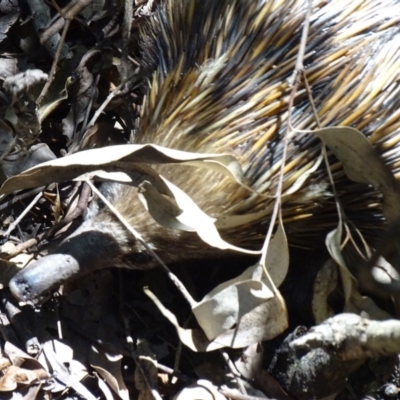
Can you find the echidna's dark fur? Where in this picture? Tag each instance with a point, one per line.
(218, 81)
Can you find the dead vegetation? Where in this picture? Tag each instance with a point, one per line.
(221, 329)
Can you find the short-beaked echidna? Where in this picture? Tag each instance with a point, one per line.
(217, 79)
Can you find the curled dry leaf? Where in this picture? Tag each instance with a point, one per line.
(241, 299)
(354, 302)
(224, 307)
(180, 212)
(25, 370)
(239, 313)
(108, 158)
(333, 243)
(185, 215)
(245, 310)
(35, 155)
(131, 159)
(56, 96)
(362, 164)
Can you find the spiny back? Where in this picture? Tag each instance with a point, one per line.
(219, 82)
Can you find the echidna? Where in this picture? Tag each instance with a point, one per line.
(217, 80)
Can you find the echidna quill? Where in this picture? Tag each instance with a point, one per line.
(218, 81)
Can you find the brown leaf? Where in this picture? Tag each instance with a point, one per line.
(363, 164)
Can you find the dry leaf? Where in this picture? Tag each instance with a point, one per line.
(109, 158)
(18, 357)
(109, 368)
(201, 390)
(185, 215)
(363, 164)
(64, 375)
(324, 284)
(354, 302)
(105, 389)
(226, 305)
(333, 244)
(384, 272)
(7, 270)
(249, 364)
(24, 81)
(148, 367)
(128, 159)
(242, 311)
(277, 261)
(263, 322)
(308, 171)
(15, 376)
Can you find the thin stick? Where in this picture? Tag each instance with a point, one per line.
(299, 66)
(68, 13)
(55, 63)
(126, 36)
(105, 103)
(24, 246)
(27, 209)
(20, 197)
(288, 134)
(79, 209)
